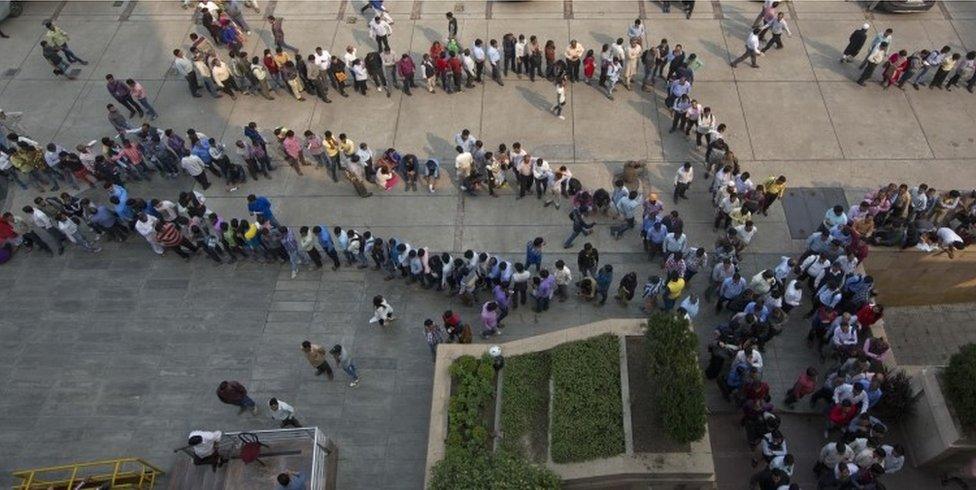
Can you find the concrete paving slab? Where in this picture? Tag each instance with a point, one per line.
(328, 9)
(130, 55)
(429, 132)
(600, 141)
(789, 63)
(966, 30)
(535, 10)
(207, 114)
(788, 120)
(468, 9)
(941, 33)
(527, 119)
(852, 108)
(610, 9)
(46, 113)
(946, 118)
(100, 8)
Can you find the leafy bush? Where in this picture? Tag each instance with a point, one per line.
(474, 390)
(482, 470)
(959, 386)
(672, 350)
(587, 418)
(897, 400)
(525, 405)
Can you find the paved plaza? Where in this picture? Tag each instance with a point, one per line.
(119, 353)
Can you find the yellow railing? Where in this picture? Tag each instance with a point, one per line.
(122, 473)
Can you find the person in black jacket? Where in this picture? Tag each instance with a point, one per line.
(855, 43)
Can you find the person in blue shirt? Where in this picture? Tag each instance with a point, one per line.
(325, 241)
(376, 5)
(627, 206)
(260, 206)
(654, 234)
(603, 280)
(731, 288)
(291, 480)
(533, 253)
(123, 211)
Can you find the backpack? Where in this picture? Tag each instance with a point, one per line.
(465, 334)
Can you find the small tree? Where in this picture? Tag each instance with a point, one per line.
(672, 350)
(960, 384)
(896, 401)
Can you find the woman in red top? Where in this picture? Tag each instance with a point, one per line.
(273, 69)
(589, 66)
(435, 50)
(840, 415)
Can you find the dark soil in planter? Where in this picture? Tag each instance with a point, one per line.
(649, 434)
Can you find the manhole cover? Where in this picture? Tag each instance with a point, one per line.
(805, 208)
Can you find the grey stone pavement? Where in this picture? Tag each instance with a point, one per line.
(118, 354)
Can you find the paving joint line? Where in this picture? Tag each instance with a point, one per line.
(130, 5)
(415, 10)
(342, 11)
(270, 9)
(738, 95)
(717, 10)
(642, 9)
(567, 9)
(489, 6)
(58, 9)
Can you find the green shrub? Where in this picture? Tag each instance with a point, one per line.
(587, 418)
(525, 405)
(897, 401)
(474, 389)
(482, 470)
(672, 350)
(960, 388)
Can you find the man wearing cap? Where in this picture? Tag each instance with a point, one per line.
(855, 43)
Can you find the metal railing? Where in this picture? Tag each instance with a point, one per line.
(121, 473)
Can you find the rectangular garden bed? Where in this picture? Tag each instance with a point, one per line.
(649, 434)
(587, 419)
(525, 405)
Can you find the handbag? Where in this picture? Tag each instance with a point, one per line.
(341, 76)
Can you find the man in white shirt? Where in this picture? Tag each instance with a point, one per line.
(949, 241)
(322, 58)
(777, 27)
(465, 140)
(146, 226)
(195, 167)
(877, 56)
(752, 49)
(283, 412)
(894, 459)
(184, 67)
(682, 181)
(41, 220)
(206, 448)
(855, 393)
(494, 56)
(70, 229)
(745, 232)
(380, 30)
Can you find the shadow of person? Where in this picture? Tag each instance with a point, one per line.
(537, 100)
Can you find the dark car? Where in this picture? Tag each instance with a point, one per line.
(899, 6)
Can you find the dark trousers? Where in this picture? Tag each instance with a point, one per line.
(291, 422)
(574, 70)
(679, 191)
(324, 367)
(382, 42)
(867, 73)
(202, 179)
(509, 61)
(334, 256)
(408, 83)
(525, 184)
(775, 40)
(129, 103)
(316, 257)
(541, 185)
(191, 80)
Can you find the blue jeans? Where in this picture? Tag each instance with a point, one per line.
(149, 108)
(321, 159)
(70, 55)
(351, 371)
(13, 177)
(210, 86)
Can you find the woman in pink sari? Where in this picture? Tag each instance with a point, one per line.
(896, 65)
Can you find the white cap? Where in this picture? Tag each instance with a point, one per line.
(494, 351)
(866, 26)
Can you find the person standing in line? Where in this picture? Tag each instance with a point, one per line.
(318, 358)
(344, 359)
(296, 255)
(879, 38)
(69, 227)
(53, 56)
(260, 207)
(854, 43)
(533, 253)
(948, 64)
(752, 50)
(773, 189)
(234, 393)
(59, 40)
(278, 32)
(283, 413)
(184, 67)
(41, 220)
(682, 181)
(634, 52)
(195, 167)
(604, 279)
(406, 68)
(877, 56)
(588, 259)
(328, 246)
(146, 226)
(965, 69)
(574, 55)
(494, 56)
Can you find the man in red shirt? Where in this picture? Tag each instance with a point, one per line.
(455, 62)
(442, 67)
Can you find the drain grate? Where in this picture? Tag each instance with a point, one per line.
(805, 208)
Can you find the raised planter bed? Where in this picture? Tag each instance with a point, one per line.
(649, 433)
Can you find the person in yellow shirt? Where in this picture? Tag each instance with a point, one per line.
(773, 189)
(332, 150)
(29, 162)
(59, 39)
(673, 289)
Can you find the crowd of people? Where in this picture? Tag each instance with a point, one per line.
(947, 68)
(843, 310)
